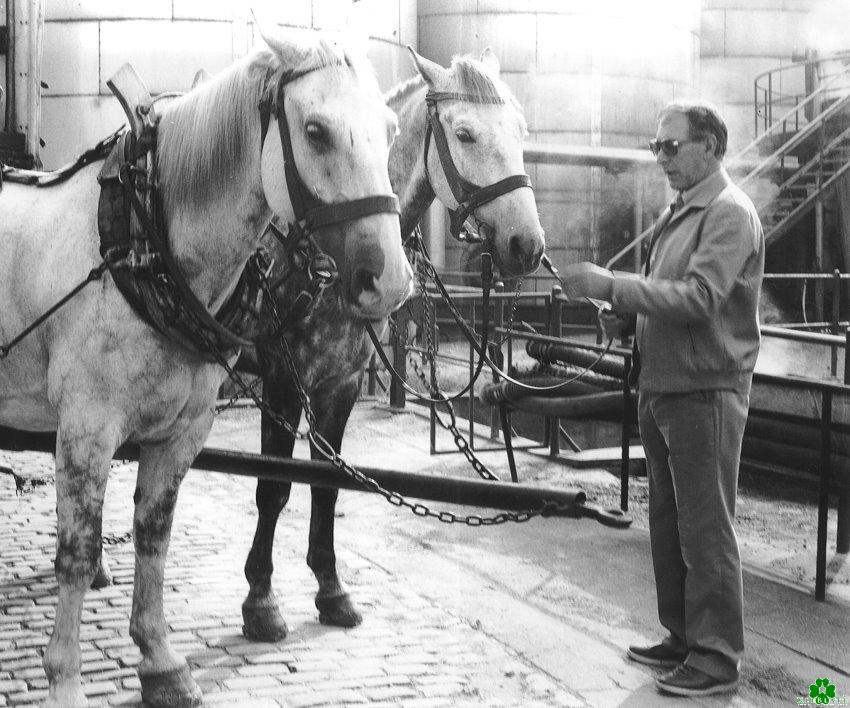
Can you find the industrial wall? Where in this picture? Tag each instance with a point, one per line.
(167, 41)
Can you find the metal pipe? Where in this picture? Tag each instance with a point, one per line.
(10, 126)
(823, 495)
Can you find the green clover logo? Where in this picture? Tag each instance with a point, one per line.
(822, 691)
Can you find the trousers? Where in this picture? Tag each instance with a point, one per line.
(693, 448)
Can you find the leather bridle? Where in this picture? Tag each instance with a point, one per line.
(312, 213)
(468, 195)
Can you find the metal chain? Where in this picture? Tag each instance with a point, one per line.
(111, 539)
(459, 440)
(327, 450)
(514, 304)
(236, 396)
(429, 357)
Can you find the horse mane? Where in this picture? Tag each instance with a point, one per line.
(207, 138)
(470, 77)
(473, 78)
(404, 89)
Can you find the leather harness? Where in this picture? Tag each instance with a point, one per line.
(135, 245)
(468, 195)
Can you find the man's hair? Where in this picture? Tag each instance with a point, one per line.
(704, 120)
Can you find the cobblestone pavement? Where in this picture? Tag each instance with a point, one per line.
(452, 616)
(410, 651)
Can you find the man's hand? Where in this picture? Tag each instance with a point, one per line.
(612, 324)
(587, 280)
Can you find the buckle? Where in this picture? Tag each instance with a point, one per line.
(322, 268)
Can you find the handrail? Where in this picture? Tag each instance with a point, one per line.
(800, 64)
(785, 118)
(761, 167)
(798, 138)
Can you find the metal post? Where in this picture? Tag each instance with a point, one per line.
(399, 344)
(624, 435)
(823, 494)
(471, 394)
(431, 321)
(819, 314)
(836, 293)
(553, 423)
(842, 544)
(373, 373)
(497, 355)
(11, 119)
(638, 218)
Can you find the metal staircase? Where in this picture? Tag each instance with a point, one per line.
(805, 151)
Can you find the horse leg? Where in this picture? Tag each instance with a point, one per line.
(261, 616)
(164, 674)
(82, 468)
(335, 606)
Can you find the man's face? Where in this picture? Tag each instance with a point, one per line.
(690, 164)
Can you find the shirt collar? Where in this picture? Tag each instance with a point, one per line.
(703, 193)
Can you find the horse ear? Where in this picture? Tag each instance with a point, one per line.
(429, 70)
(490, 61)
(201, 77)
(288, 48)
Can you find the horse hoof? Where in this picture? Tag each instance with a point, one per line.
(102, 576)
(172, 689)
(263, 623)
(338, 611)
(66, 695)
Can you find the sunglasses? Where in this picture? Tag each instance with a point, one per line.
(668, 147)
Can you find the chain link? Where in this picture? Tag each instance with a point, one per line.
(112, 539)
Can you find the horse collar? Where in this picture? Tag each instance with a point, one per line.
(145, 271)
(468, 195)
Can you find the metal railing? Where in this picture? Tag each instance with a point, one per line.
(798, 107)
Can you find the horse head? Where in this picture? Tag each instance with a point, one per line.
(325, 100)
(484, 129)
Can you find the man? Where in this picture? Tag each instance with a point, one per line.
(697, 338)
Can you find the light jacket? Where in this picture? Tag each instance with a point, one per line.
(697, 309)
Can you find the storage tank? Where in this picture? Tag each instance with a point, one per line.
(741, 39)
(167, 41)
(591, 74)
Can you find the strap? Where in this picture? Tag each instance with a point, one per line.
(189, 298)
(435, 96)
(461, 188)
(336, 213)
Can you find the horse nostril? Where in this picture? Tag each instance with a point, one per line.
(364, 281)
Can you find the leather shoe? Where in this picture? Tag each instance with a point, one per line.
(686, 680)
(659, 655)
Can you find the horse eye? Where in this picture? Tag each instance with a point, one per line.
(316, 133)
(464, 136)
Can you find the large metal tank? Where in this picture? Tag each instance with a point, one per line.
(741, 39)
(591, 74)
(167, 41)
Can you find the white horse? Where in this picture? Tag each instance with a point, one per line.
(484, 130)
(97, 374)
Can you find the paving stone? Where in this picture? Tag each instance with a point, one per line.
(386, 693)
(247, 683)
